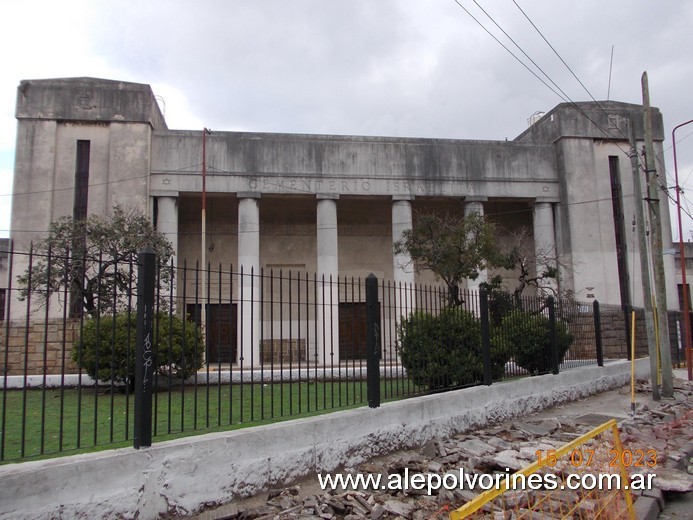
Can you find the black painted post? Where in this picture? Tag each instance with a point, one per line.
(485, 336)
(552, 335)
(598, 333)
(144, 352)
(372, 341)
(627, 319)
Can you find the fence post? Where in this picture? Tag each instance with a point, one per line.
(372, 341)
(144, 353)
(598, 333)
(485, 336)
(552, 335)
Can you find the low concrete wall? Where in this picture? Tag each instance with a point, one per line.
(181, 476)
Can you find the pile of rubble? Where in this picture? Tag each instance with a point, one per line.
(665, 428)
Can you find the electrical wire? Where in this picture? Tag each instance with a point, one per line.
(570, 101)
(659, 156)
(490, 214)
(565, 96)
(95, 184)
(509, 51)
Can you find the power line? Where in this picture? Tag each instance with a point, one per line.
(509, 51)
(553, 49)
(570, 101)
(522, 51)
(493, 214)
(93, 185)
(564, 62)
(666, 172)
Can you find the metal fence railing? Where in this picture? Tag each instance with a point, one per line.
(224, 347)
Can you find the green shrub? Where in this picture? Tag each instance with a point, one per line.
(500, 304)
(177, 354)
(526, 337)
(445, 350)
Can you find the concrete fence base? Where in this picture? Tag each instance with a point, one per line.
(184, 475)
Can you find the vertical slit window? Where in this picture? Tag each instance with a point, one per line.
(79, 211)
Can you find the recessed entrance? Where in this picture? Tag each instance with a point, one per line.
(221, 327)
(352, 331)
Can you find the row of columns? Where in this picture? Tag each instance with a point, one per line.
(328, 261)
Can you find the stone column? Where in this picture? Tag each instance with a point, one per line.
(327, 309)
(249, 286)
(401, 221)
(167, 225)
(475, 205)
(167, 220)
(403, 267)
(544, 238)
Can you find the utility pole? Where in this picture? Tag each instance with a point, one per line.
(657, 249)
(644, 265)
(682, 256)
(203, 240)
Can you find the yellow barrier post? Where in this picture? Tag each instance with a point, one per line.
(624, 472)
(632, 364)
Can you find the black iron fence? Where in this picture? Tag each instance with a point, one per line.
(184, 350)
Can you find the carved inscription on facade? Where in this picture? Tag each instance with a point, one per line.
(342, 186)
(309, 185)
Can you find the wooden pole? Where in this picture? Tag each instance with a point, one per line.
(657, 249)
(644, 265)
(203, 241)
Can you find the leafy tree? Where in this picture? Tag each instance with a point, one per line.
(453, 248)
(94, 260)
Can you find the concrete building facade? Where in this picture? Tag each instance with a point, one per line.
(333, 205)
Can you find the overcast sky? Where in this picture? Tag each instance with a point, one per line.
(419, 68)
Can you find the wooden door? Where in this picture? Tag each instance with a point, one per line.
(221, 331)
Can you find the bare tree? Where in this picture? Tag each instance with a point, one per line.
(534, 267)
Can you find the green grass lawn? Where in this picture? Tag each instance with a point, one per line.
(70, 420)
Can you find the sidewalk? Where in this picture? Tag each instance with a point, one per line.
(665, 426)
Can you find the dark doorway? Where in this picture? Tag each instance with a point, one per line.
(352, 331)
(221, 331)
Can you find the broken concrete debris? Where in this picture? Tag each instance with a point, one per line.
(663, 427)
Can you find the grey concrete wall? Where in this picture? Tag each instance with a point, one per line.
(91, 99)
(562, 159)
(587, 199)
(117, 119)
(45, 172)
(594, 120)
(348, 165)
(181, 476)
